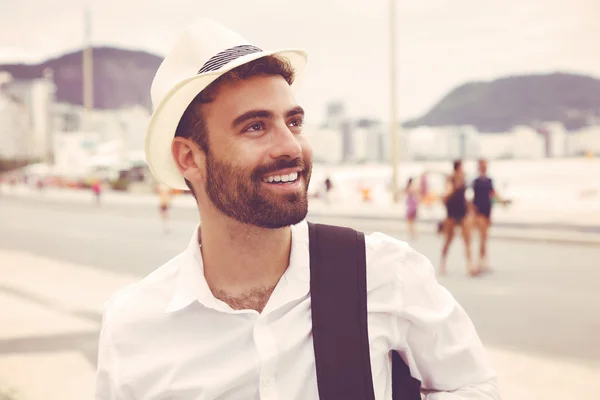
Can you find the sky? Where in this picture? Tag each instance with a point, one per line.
(440, 44)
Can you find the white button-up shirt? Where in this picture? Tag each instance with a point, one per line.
(168, 337)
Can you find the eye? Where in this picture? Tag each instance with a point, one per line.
(296, 122)
(254, 127)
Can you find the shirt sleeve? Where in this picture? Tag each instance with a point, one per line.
(437, 338)
(107, 370)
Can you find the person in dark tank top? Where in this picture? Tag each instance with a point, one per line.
(484, 196)
(456, 215)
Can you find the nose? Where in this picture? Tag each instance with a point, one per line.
(285, 143)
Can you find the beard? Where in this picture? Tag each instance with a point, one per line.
(241, 194)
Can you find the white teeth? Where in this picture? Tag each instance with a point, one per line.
(282, 178)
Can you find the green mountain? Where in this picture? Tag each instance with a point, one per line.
(501, 104)
(121, 77)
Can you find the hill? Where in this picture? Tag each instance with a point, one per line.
(501, 104)
(121, 77)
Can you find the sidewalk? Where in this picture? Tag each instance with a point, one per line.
(50, 316)
(50, 326)
(516, 222)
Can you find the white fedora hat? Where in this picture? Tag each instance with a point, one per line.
(205, 51)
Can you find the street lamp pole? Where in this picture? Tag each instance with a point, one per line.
(88, 85)
(393, 103)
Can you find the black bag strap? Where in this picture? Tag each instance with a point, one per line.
(339, 313)
(338, 284)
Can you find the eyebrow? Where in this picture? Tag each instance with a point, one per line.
(295, 111)
(264, 114)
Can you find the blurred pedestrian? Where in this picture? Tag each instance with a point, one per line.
(365, 192)
(164, 199)
(484, 196)
(425, 196)
(412, 206)
(456, 215)
(328, 187)
(97, 190)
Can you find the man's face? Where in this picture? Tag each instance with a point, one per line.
(482, 167)
(258, 164)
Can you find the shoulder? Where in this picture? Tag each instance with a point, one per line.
(390, 260)
(144, 298)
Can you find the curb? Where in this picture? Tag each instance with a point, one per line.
(557, 236)
(532, 232)
(549, 226)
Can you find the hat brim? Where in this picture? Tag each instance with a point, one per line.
(166, 116)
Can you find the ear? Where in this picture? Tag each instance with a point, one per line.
(189, 158)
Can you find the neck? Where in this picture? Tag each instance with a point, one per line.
(240, 258)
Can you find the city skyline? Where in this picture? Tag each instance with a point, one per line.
(440, 45)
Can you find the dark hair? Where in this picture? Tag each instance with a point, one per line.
(457, 164)
(410, 180)
(192, 124)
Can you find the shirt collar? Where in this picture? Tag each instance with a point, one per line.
(191, 286)
(190, 276)
(299, 268)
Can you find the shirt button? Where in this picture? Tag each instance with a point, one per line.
(268, 382)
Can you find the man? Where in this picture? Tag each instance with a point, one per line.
(230, 317)
(328, 186)
(483, 196)
(164, 199)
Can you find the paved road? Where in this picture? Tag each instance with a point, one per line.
(542, 298)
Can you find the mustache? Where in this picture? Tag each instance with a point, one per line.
(276, 165)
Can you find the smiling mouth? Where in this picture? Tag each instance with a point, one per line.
(282, 179)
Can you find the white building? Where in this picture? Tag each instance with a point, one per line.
(73, 153)
(527, 143)
(15, 129)
(558, 139)
(118, 135)
(464, 142)
(25, 117)
(372, 144)
(375, 144)
(584, 141)
(424, 142)
(326, 144)
(435, 143)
